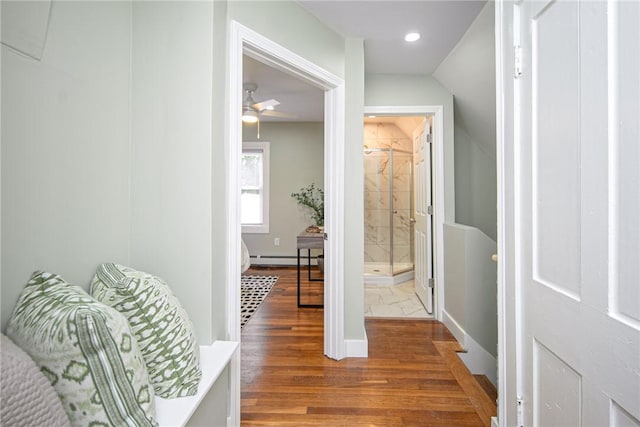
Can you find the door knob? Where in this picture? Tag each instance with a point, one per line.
(412, 220)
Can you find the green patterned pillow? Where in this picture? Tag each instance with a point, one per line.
(160, 324)
(87, 351)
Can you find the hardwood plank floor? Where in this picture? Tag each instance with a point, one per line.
(412, 376)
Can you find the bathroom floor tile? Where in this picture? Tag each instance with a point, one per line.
(393, 301)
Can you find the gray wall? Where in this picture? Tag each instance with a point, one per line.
(476, 197)
(470, 295)
(354, 191)
(468, 73)
(296, 160)
(65, 149)
(171, 153)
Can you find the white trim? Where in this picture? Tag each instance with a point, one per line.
(334, 113)
(454, 327)
(507, 316)
(233, 132)
(437, 111)
(214, 359)
(479, 361)
(476, 358)
(357, 348)
(384, 280)
(244, 40)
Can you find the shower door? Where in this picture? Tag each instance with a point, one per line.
(378, 252)
(402, 203)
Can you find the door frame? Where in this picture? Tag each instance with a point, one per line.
(437, 111)
(243, 40)
(506, 21)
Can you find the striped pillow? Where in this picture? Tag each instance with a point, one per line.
(86, 350)
(160, 324)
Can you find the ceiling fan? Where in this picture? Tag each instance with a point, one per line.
(252, 110)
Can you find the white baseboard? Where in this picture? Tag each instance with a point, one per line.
(494, 422)
(454, 328)
(357, 348)
(478, 360)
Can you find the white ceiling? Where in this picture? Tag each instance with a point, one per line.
(382, 25)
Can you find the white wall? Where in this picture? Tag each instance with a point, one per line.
(65, 148)
(171, 158)
(296, 160)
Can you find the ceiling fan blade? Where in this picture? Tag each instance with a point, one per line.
(263, 105)
(280, 114)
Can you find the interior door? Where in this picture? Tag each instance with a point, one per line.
(578, 212)
(423, 215)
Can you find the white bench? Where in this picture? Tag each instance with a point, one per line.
(213, 359)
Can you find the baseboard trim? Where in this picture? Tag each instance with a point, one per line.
(455, 328)
(357, 348)
(477, 359)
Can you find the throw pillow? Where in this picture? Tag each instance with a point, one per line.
(160, 324)
(86, 350)
(26, 396)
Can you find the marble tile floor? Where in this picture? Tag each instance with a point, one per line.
(396, 301)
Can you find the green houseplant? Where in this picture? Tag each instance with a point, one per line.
(313, 198)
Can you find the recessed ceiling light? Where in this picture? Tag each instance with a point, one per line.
(412, 37)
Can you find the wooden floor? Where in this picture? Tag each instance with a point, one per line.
(412, 376)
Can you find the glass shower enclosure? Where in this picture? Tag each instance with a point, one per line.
(388, 206)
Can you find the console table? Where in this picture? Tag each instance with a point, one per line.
(309, 241)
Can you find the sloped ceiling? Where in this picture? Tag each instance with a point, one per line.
(468, 72)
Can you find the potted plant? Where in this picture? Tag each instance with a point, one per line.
(312, 197)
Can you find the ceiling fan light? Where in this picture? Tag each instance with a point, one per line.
(249, 116)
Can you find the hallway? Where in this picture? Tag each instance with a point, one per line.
(411, 378)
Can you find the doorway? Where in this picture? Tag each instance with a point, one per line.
(425, 249)
(246, 41)
(398, 216)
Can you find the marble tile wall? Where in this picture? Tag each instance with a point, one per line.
(379, 196)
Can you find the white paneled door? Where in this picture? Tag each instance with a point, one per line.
(423, 214)
(577, 118)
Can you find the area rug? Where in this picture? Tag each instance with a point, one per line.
(254, 290)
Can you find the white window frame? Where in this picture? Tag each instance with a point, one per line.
(264, 147)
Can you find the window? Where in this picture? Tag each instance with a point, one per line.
(254, 187)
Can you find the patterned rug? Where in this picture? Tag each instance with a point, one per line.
(254, 290)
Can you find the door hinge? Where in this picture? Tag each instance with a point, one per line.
(520, 412)
(517, 62)
(325, 236)
(428, 138)
(430, 210)
(431, 282)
